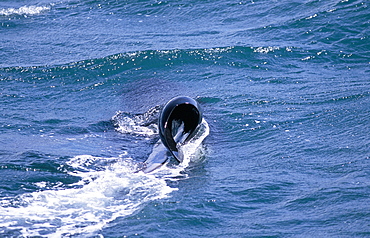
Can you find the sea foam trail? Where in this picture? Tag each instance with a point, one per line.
(108, 188)
(100, 196)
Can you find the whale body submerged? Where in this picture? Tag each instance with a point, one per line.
(179, 121)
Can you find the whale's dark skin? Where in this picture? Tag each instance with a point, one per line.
(178, 122)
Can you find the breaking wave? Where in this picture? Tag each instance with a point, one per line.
(24, 11)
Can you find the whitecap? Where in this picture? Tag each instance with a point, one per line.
(24, 10)
(265, 50)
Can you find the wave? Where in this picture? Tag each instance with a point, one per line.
(24, 10)
(235, 56)
(128, 25)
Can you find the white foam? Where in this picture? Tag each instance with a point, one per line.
(142, 124)
(87, 206)
(25, 10)
(192, 150)
(130, 126)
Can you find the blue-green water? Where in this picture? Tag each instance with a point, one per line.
(284, 86)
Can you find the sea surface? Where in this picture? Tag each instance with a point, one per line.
(285, 92)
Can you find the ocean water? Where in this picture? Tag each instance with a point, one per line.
(285, 92)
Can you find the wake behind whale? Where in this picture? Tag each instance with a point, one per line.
(108, 188)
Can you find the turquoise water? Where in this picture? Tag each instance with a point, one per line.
(284, 87)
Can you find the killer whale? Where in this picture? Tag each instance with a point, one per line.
(178, 122)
